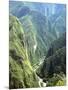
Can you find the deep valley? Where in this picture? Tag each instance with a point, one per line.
(37, 44)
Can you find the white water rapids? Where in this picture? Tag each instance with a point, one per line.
(41, 83)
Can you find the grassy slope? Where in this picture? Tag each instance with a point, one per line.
(20, 70)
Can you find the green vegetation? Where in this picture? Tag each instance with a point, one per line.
(37, 45)
(20, 71)
(57, 80)
(54, 63)
(57, 44)
(35, 26)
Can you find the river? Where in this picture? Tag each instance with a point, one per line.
(41, 83)
(40, 80)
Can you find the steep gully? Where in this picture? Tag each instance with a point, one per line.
(41, 83)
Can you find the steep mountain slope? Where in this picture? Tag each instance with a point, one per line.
(54, 63)
(18, 9)
(37, 32)
(58, 20)
(57, 44)
(56, 13)
(21, 74)
(40, 28)
(46, 9)
(30, 38)
(59, 26)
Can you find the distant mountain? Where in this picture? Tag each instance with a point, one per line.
(18, 9)
(40, 29)
(46, 9)
(55, 13)
(58, 20)
(20, 69)
(58, 24)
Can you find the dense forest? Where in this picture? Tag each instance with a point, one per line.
(37, 44)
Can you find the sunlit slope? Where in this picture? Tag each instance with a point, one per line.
(20, 70)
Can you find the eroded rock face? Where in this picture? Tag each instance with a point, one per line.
(20, 70)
